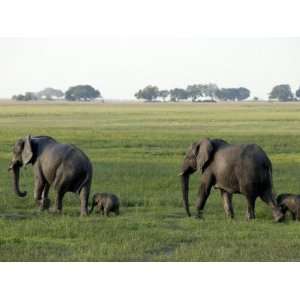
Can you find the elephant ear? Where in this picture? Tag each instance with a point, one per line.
(205, 151)
(27, 150)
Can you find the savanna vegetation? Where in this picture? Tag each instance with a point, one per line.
(83, 92)
(194, 92)
(211, 92)
(136, 151)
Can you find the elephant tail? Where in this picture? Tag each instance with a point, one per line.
(88, 175)
(86, 181)
(268, 179)
(270, 175)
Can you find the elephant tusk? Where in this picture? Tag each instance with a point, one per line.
(180, 174)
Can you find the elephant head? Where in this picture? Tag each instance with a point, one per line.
(21, 156)
(198, 157)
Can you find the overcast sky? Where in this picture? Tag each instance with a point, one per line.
(118, 67)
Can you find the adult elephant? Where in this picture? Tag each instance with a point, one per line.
(234, 169)
(64, 166)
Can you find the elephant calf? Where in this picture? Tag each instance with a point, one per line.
(291, 203)
(105, 203)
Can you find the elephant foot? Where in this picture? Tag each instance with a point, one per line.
(229, 214)
(84, 214)
(199, 216)
(43, 204)
(250, 218)
(46, 203)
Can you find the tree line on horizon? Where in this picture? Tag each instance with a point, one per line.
(196, 92)
(211, 92)
(74, 93)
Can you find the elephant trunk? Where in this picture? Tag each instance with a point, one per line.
(185, 192)
(278, 215)
(16, 176)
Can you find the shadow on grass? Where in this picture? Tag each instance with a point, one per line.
(19, 215)
(176, 216)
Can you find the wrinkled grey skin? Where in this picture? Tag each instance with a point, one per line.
(63, 166)
(234, 169)
(105, 203)
(291, 203)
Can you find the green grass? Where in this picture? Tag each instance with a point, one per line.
(136, 151)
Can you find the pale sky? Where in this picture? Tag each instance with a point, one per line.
(118, 66)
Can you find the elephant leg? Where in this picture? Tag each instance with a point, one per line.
(58, 201)
(102, 211)
(298, 214)
(84, 200)
(106, 212)
(117, 211)
(250, 208)
(39, 185)
(204, 192)
(45, 199)
(227, 202)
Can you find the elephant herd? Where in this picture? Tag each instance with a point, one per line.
(233, 169)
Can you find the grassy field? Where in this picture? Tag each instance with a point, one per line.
(136, 151)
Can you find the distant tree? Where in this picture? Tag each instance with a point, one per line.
(50, 94)
(148, 93)
(82, 92)
(19, 97)
(209, 90)
(27, 97)
(225, 94)
(242, 93)
(30, 96)
(282, 92)
(194, 91)
(298, 93)
(139, 94)
(178, 94)
(163, 94)
(232, 94)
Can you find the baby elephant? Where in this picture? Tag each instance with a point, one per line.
(106, 203)
(291, 203)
